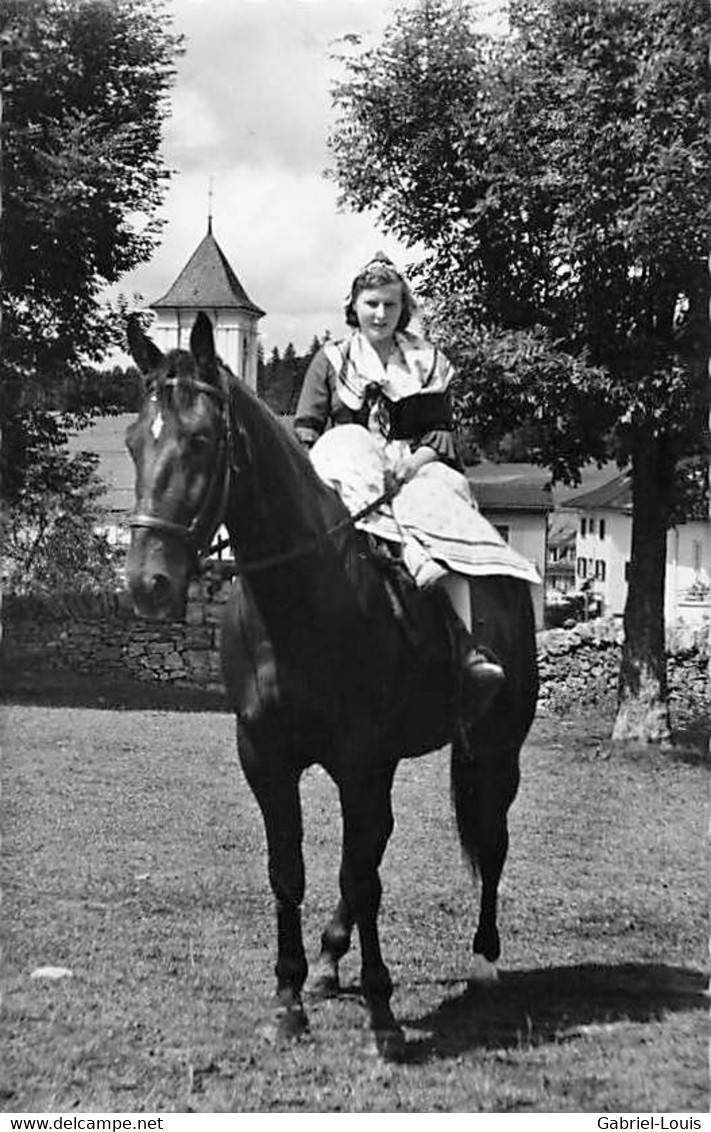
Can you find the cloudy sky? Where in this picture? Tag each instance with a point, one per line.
(251, 108)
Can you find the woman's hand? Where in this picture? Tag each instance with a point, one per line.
(401, 473)
(416, 460)
(393, 480)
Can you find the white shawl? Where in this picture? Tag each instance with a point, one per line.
(414, 366)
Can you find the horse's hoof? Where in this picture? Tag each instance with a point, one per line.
(324, 982)
(483, 972)
(390, 1044)
(292, 1023)
(325, 986)
(291, 1020)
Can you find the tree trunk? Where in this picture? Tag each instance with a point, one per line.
(642, 710)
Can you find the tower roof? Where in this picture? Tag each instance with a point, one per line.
(207, 280)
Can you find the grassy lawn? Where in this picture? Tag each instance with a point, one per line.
(133, 855)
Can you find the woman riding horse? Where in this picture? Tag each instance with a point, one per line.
(396, 385)
(315, 667)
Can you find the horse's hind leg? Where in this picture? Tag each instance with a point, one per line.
(367, 825)
(276, 789)
(335, 942)
(484, 786)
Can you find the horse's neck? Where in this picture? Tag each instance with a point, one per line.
(281, 502)
(292, 534)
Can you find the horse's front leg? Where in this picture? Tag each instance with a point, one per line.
(276, 789)
(367, 825)
(335, 942)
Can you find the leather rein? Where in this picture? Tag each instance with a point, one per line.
(199, 533)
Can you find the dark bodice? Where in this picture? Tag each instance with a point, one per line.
(422, 419)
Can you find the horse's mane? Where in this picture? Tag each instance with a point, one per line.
(290, 492)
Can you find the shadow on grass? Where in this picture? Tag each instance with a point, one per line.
(62, 688)
(531, 1008)
(692, 745)
(689, 746)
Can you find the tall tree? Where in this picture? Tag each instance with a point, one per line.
(283, 375)
(85, 85)
(102, 391)
(267, 376)
(50, 543)
(558, 179)
(303, 362)
(288, 379)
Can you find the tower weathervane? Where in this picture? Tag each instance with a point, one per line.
(210, 194)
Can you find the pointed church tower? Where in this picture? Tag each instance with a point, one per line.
(208, 283)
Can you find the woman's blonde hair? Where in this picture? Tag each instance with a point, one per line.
(378, 272)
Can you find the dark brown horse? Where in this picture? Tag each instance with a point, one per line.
(316, 666)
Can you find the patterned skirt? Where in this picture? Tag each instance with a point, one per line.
(435, 509)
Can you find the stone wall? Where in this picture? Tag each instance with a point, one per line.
(579, 667)
(99, 634)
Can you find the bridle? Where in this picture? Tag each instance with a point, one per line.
(198, 534)
(200, 531)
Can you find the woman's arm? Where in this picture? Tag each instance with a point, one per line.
(314, 408)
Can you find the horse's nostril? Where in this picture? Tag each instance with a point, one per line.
(160, 585)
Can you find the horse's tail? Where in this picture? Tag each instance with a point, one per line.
(485, 759)
(483, 787)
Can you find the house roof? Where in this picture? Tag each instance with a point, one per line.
(615, 495)
(511, 495)
(511, 487)
(207, 280)
(591, 477)
(562, 528)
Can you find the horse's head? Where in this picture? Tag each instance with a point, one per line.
(180, 448)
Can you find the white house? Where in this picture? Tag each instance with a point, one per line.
(208, 283)
(560, 565)
(518, 506)
(603, 543)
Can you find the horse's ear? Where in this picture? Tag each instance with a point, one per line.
(145, 353)
(202, 346)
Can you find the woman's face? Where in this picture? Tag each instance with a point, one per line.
(378, 311)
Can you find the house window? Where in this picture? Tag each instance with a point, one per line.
(601, 528)
(582, 568)
(503, 530)
(245, 355)
(591, 527)
(583, 527)
(600, 570)
(696, 555)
